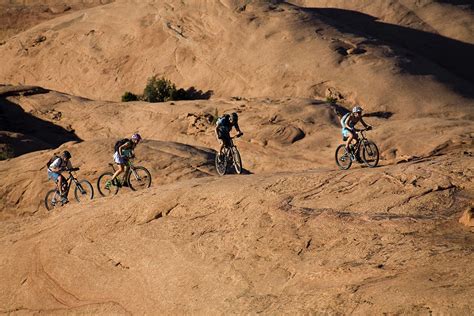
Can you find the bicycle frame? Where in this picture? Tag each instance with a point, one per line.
(360, 140)
(69, 180)
(131, 168)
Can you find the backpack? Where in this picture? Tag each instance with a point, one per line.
(52, 159)
(120, 143)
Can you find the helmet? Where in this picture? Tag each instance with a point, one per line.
(136, 137)
(357, 109)
(234, 116)
(66, 154)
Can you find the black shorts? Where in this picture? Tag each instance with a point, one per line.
(224, 135)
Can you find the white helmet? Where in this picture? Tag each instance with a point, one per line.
(357, 109)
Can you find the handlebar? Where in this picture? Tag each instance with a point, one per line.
(73, 169)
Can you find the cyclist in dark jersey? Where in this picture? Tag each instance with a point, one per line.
(224, 126)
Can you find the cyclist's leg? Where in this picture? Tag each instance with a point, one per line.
(349, 137)
(226, 141)
(125, 175)
(220, 137)
(121, 168)
(121, 165)
(60, 184)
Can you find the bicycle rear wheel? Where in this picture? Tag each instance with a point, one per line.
(370, 154)
(52, 199)
(105, 186)
(221, 163)
(237, 160)
(84, 191)
(139, 178)
(343, 158)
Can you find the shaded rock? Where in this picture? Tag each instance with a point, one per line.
(287, 134)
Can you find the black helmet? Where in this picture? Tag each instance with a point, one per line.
(235, 117)
(66, 154)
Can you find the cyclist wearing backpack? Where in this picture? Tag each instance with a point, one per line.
(56, 165)
(123, 151)
(348, 123)
(224, 125)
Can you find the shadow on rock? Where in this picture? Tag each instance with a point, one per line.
(450, 54)
(23, 132)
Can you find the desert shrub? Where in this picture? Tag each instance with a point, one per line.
(331, 100)
(129, 96)
(159, 90)
(6, 152)
(215, 117)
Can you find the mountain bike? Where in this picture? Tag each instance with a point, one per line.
(229, 156)
(83, 191)
(364, 151)
(137, 178)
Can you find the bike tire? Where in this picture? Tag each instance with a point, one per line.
(221, 164)
(343, 159)
(48, 200)
(84, 191)
(101, 185)
(143, 181)
(237, 160)
(370, 154)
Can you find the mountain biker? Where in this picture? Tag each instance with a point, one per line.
(348, 123)
(56, 166)
(224, 126)
(123, 152)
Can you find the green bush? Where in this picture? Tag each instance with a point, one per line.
(160, 90)
(215, 117)
(129, 96)
(6, 152)
(331, 100)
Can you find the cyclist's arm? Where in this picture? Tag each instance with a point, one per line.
(69, 165)
(237, 128)
(364, 123)
(124, 146)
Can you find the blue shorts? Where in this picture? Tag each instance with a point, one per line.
(53, 175)
(347, 132)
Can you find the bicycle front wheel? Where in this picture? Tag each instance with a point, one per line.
(370, 154)
(343, 159)
(84, 191)
(237, 160)
(52, 199)
(139, 178)
(221, 163)
(105, 186)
